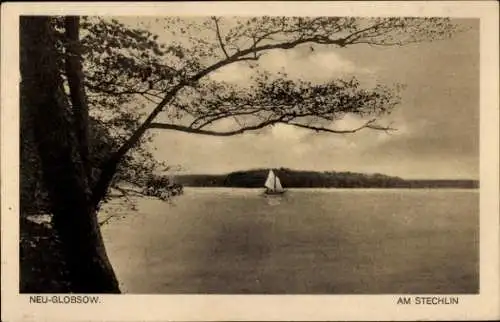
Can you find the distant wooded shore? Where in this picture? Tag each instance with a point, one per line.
(313, 179)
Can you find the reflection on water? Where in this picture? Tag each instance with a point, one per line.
(273, 200)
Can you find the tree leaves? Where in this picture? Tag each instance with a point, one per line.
(284, 100)
(129, 71)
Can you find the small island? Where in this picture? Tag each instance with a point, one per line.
(290, 178)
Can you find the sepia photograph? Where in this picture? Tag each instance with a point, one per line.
(249, 154)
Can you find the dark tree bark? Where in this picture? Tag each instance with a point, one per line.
(64, 173)
(78, 97)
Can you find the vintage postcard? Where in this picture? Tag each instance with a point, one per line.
(217, 161)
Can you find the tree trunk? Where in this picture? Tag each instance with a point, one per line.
(74, 216)
(78, 97)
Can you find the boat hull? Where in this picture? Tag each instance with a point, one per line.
(274, 193)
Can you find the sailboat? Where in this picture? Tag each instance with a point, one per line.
(273, 184)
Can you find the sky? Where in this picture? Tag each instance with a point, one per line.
(437, 121)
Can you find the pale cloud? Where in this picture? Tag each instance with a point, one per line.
(288, 132)
(348, 122)
(316, 65)
(236, 73)
(299, 63)
(226, 124)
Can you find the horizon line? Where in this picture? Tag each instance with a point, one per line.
(180, 173)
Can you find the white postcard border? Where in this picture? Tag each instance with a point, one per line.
(255, 307)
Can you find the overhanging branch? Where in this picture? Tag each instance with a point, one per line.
(368, 125)
(187, 129)
(282, 120)
(252, 53)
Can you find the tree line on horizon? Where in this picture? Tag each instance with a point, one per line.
(317, 179)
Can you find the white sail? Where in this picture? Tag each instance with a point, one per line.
(273, 183)
(270, 182)
(277, 183)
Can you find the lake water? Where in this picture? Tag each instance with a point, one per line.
(315, 241)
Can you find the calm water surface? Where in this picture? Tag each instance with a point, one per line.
(308, 241)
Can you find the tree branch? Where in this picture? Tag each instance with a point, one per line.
(219, 38)
(355, 35)
(284, 119)
(368, 125)
(213, 133)
(209, 119)
(110, 167)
